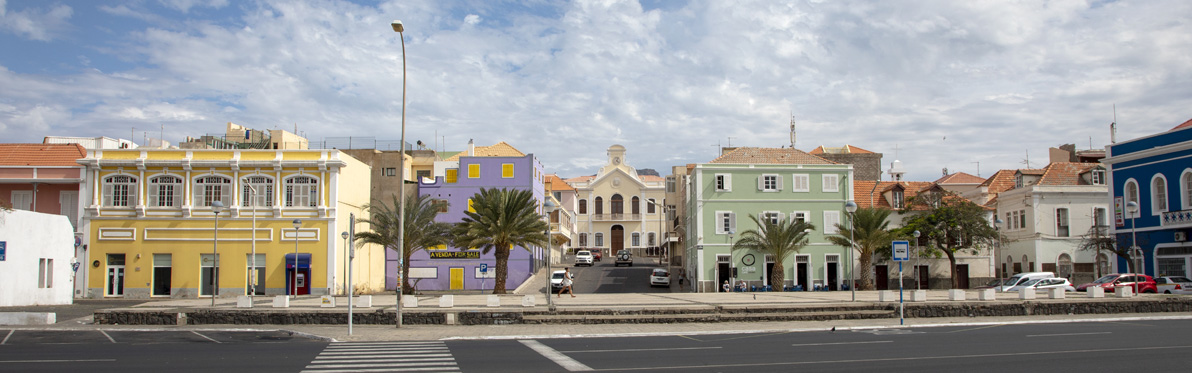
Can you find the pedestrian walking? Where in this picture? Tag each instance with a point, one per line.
(566, 283)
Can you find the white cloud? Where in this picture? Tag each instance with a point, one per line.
(35, 24)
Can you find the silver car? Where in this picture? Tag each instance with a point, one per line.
(1174, 285)
(1042, 284)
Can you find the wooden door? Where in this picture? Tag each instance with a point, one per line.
(617, 239)
(881, 277)
(962, 276)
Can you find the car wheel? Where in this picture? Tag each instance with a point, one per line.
(1167, 292)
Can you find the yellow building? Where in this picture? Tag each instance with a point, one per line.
(151, 230)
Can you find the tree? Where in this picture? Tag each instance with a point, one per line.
(951, 225)
(1098, 240)
(778, 240)
(498, 220)
(871, 234)
(421, 230)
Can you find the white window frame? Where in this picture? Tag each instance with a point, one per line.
(831, 182)
(806, 216)
(723, 182)
(769, 182)
(831, 218)
(22, 200)
(165, 194)
(205, 190)
(125, 189)
(1063, 222)
(1021, 219)
(264, 195)
(1131, 196)
(726, 221)
(1160, 197)
(774, 217)
(801, 183)
(899, 198)
(635, 239)
(296, 193)
(651, 239)
(599, 242)
(583, 239)
(1097, 176)
(45, 273)
(1186, 188)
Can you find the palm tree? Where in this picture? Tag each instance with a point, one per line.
(871, 233)
(779, 240)
(500, 219)
(421, 230)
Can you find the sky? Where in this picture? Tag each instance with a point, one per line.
(971, 86)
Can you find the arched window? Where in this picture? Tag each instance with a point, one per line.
(598, 205)
(1026, 264)
(165, 191)
(583, 206)
(1130, 192)
(616, 205)
(1186, 184)
(302, 191)
(263, 195)
(636, 206)
(213, 188)
(1065, 266)
(599, 240)
(120, 191)
(1158, 194)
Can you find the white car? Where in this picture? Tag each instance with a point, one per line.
(1042, 284)
(584, 257)
(660, 277)
(1174, 285)
(556, 280)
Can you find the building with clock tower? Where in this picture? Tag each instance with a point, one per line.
(619, 209)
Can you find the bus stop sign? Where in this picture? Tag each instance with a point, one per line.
(902, 251)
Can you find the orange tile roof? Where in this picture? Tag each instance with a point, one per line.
(1184, 125)
(580, 179)
(960, 178)
(1065, 173)
(748, 155)
(1001, 181)
(862, 189)
(41, 154)
(501, 149)
(556, 183)
(846, 149)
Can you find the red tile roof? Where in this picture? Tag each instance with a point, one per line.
(41, 154)
(862, 190)
(501, 149)
(846, 149)
(1065, 173)
(747, 155)
(1184, 125)
(555, 183)
(1001, 181)
(960, 178)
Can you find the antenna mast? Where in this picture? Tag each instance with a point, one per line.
(792, 130)
(1113, 127)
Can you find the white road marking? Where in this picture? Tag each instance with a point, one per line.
(644, 349)
(57, 361)
(105, 334)
(208, 338)
(840, 343)
(554, 355)
(7, 336)
(1065, 334)
(418, 352)
(384, 357)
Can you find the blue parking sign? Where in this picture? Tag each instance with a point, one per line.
(483, 267)
(3, 250)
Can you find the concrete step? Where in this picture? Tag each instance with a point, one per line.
(669, 318)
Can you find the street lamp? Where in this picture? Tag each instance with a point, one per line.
(658, 210)
(732, 262)
(851, 207)
(216, 207)
(297, 224)
(915, 270)
(348, 255)
(548, 208)
(401, 191)
(1132, 208)
(346, 262)
(252, 286)
(997, 223)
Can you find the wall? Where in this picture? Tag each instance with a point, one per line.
(30, 237)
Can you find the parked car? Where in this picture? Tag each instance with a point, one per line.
(596, 254)
(660, 277)
(556, 280)
(1022, 278)
(623, 257)
(1109, 282)
(1173, 285)
(992, 284)
(1042, 284)
(583, 257)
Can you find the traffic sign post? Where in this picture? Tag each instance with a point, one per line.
(902, 251)
(483, 276)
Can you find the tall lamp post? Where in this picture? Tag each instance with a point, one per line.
(997, 223)
(548, 208)
(401, 192)
(216, 207)
(294, 284)
(347, 285)
(252, 285)
(1132, 208)
(915, 267)
(658, 209)
(851, 207)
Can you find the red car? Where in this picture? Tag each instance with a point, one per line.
(1109, 282)
(596, 254)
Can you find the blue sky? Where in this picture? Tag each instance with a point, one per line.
(949, 84)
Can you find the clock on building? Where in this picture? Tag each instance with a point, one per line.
(616, 160)
(748, 259)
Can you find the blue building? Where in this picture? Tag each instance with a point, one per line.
(1155, 172)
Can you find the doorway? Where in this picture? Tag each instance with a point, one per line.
(617, 239)
(723, 272)
(962, 276)
(162, 273)
(802, 263)
(832, 272)
(298, 275)
(209, 274)
(115, 277)
(457, 278)
(881, 277)
(770, 269)
(922, 278)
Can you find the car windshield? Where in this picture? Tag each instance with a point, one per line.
(1013, 281)
(584, 253)
(558, 275)
(660, 272)
(1106, 279)
(1032, 282)
(1179, 279)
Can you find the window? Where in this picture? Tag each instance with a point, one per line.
(165, 191)
(1158, 194)
(390, 171)
(1101, 219)
(302, 191)
(831, 183)
(774, 217)
(726, 222)
(600, 240)
(440, 205)
(213, 188)
(22, 200)
(898, 199)
(451, 176)
(650, 239)
(583, 240)
(670, 184)
(473, 171)
(1010, 221)
(506, 170)
(650, 205)
(1186, 183)
(1130, 191)
(800, 216)
(769, 183)
(724, 182)
(802, 183)
(263, 197)
(45, 273)
(470, 207)
(1061, 222)
(424, 174)
(1021, 219)
(599, 207)
(1098, 177)
(558, 195)
(583, 206)
(831, 218)
(635, 239)
(616, 204)
(636, 205)
(120, 191)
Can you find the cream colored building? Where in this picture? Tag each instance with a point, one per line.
(618, 209)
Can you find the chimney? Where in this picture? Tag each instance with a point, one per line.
(471, 148)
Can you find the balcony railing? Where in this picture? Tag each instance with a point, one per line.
(1182, 218)
(616, 217)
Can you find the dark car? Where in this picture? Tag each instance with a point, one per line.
(623, 257)
(1110, 282)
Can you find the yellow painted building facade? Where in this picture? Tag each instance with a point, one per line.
(151, 230)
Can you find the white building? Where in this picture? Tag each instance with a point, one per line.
(36, 256)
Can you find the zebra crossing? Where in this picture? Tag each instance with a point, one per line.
(428, 356)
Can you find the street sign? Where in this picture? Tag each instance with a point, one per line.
(902, 251)
(483, 267)
(3, 250)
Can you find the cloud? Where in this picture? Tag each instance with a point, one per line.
(36, 24)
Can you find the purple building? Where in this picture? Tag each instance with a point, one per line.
(458, 179)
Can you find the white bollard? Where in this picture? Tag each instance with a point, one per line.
(1026, 293)
(243, 301)
(327, 301)
(409, 301)
(528, 301)
(987, 294)
(1055, 293)
(919, 296)
(887, 296)
(494, 300)
(281, 301)
(956, 295)
(447, 301)
(449, 318)
(1095, 292)
(1123, 292)
(363, 301)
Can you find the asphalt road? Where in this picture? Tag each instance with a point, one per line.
(1136, 345)
(604, 277)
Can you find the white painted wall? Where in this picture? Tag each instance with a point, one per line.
(29, 237)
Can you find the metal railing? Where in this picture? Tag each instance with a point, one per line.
(1177, 218)
(616, 217)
